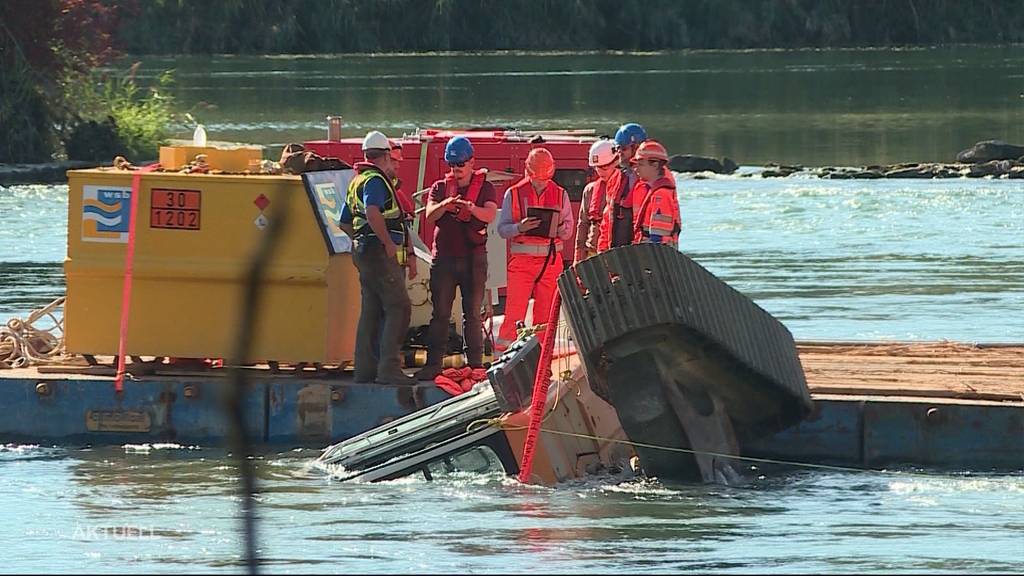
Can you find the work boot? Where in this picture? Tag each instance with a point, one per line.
(399, 379)
(428, 372)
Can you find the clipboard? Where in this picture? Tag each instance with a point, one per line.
(550, 218)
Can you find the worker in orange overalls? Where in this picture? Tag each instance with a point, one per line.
(535, 250)
(604, 160)
(616, 228)
(655, 205)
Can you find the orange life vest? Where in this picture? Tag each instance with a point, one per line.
(657, 217)
(598, 199)
(596, 193)
(524, 196)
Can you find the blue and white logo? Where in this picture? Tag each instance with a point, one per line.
(105, 213)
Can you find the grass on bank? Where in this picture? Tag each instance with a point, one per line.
(110, 115)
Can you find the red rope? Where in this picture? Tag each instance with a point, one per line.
(540, 388)
(129, 263)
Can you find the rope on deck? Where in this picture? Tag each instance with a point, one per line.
(23, 344)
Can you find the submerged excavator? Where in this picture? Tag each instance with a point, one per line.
(673, 372)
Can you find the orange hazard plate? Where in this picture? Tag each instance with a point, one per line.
(176, 209)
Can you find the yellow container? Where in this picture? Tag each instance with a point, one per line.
(195, 235)
(227, 159)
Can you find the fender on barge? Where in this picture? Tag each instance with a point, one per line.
(689, 363)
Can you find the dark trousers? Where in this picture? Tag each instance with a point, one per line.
(384, 295)
(622, 228)
(469, 275)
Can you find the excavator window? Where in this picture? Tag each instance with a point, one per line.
(477, 460)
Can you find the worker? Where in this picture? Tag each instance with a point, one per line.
(408, 208)
(409, 212)
(656, 207)
(535, 254)
(460, 206)
(603, 159)
(616, 228)
(380, 237)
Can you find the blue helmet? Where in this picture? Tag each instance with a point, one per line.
(631, 133)
(458, 150)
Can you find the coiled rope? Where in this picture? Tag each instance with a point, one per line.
(23, 344)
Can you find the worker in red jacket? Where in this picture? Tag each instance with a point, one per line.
(655, 205)
(616, 228)
(536, 218)
(460, 205)
(604, 160)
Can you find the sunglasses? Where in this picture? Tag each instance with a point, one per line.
(456, 164)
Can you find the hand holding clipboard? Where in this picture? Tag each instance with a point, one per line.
(546, 222)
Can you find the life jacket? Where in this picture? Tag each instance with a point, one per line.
(405, 202)
(476, 230)
(524, 196)
(598, 199)
(394, 216)
(588, 227)
(617, 218)
(657, 214)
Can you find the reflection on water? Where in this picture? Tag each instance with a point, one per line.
(813, 107)
(125, 511)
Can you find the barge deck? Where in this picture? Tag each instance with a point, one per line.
(929, 404)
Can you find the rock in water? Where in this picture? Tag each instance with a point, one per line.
(990, 150)
(690, 163)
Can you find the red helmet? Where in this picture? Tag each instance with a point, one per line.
(650, 150)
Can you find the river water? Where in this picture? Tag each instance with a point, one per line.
(810, 107)
(908, 260)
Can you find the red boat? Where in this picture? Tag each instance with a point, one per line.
(501, 151)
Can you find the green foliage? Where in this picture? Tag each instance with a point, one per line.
(326, 26)
(139, 119)
(41, 42)
(24, 114)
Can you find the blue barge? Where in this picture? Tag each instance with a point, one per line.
(940, 405)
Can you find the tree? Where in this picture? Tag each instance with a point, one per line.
(43, 44)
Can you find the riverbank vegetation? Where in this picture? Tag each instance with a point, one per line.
(337, 26)
(64, 96)
(58, 101)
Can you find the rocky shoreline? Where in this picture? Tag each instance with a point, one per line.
(45, 173)
(990, 158)
(1008, 169)
(987, 159)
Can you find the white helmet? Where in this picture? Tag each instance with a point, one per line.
(376, 141)
(602, 153)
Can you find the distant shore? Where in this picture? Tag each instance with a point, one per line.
(990, 158)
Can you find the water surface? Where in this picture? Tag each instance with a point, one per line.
(811, 107)
(172, 509)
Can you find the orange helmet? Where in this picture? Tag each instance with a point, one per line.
(650, 150)
(540, 165)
